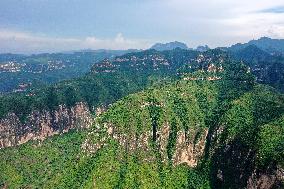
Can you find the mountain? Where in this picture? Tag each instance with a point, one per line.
(272, 46)
(20, 73)
(56, 109)
(268, 69)
(190, 133)
(151, 119)
(252, 53)
(169, 46)
(190, 129)
(108, 81)
(174, 62)
(11, 57)
(202, 48)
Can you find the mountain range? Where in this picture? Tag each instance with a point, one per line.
(159, 118)
(169, 46)
(272, 46)
(20, 73)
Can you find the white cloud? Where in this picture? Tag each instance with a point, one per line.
(212, 22)
(117, 43)
(225, 22)
(23, 42)
(256, 24)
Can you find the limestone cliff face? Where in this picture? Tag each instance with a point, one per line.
(236, 168)
(189, 146)
(40, 125)
(190, 150)
(272, 178)
(235, 165)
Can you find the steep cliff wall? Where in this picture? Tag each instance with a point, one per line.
(40, 125)
(246, 146)
(189, 146)
(238, 144)
(235, 165)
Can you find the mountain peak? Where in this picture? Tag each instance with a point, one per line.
(169, 46)
(203, 48)
(264, 38)
(269, 45)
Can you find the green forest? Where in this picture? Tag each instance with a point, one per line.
(141, 94)
(112, 154)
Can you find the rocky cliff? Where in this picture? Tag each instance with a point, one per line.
(189, 147)
(42, 124)
(239, 143)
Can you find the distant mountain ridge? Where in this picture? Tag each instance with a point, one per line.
(190, 133)
(251, 53)
(202, 48)
(272, 46)
(192, 120)
(41, 69)
(169, 46)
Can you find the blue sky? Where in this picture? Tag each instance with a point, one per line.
(34, 26)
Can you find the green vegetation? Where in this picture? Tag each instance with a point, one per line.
(54, 162)
(267, 67)
(115, 79)
(136, 143)
(249, 115)
(247, 143)
(176, 104)
(270, 141)
(44, 69)
(101, 89)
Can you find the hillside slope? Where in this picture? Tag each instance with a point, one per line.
(192, 133)
(228, 133)
(110, 80)
(272, 46)
(169, 46)
(19, 73)
(107, 82)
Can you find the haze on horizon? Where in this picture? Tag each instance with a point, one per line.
(36, 26)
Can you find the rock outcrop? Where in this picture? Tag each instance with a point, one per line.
(42, 124)
(235, 166)
(189, 146)
(272, 178)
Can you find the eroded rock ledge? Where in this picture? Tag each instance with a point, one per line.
(42, 124)
(188, 148)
